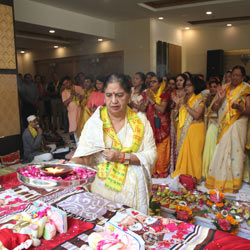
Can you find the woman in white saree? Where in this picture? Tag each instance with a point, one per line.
(119, 143)
(233, 106)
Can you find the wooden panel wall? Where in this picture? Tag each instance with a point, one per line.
(233, 58)
(174, 59)
(9, 109)
(95, 64)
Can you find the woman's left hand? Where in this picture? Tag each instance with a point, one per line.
(238, 107)
(150, 96)
(112, 155)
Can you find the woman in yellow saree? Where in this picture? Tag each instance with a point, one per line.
(120, 144)
(233, 106)
(85, 112)
(191, 131)
(212, 128)
(177, 94)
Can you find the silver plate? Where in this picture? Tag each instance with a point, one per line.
(50, 184)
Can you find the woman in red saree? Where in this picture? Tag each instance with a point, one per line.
(156, 102)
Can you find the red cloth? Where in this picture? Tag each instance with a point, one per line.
(75, 227)
(11, 240)
(96, 99)
(226, 241)
(164, 130)
(11, 159)
(9, 180)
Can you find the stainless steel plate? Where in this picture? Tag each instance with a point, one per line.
(50, 184)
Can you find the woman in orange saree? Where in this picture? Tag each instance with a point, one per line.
(156, 103)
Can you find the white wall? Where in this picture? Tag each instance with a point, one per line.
(132, 37)
(41, 14)
(196, 42)
(162, 31)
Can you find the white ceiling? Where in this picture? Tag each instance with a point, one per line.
(120, 10)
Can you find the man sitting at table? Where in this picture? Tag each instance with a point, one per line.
(33, 143)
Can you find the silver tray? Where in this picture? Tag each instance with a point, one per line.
(50, 184)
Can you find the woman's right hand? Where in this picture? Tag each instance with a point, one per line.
(176, 99)
(73, 92)
(149, 95)
(93, 108)
(221, 94)
(112, 155)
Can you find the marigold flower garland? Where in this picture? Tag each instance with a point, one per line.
(184, 213)
(215, 198)
(226, 223)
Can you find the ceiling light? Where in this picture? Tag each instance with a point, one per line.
(229, 25)
(187, 28)
(100, 40)
(51, 31)
(209, 12)
(161, 18)
(22, 51)
(56, 46)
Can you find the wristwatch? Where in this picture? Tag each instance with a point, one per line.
(127, 159)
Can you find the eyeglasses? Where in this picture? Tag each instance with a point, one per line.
(237, 75)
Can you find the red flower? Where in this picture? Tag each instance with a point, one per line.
(215, 199)
(224, 224)
(134, 213)
(183, 215)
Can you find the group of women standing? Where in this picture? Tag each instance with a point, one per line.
(199, 130)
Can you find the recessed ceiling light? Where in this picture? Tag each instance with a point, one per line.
(229, 25)
(161, 18)
(187, 28)
(22, 51)
(209, 12)
(100, 40)
(51, 31)
(56, 46)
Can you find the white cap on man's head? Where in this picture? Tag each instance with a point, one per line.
(31, 118)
